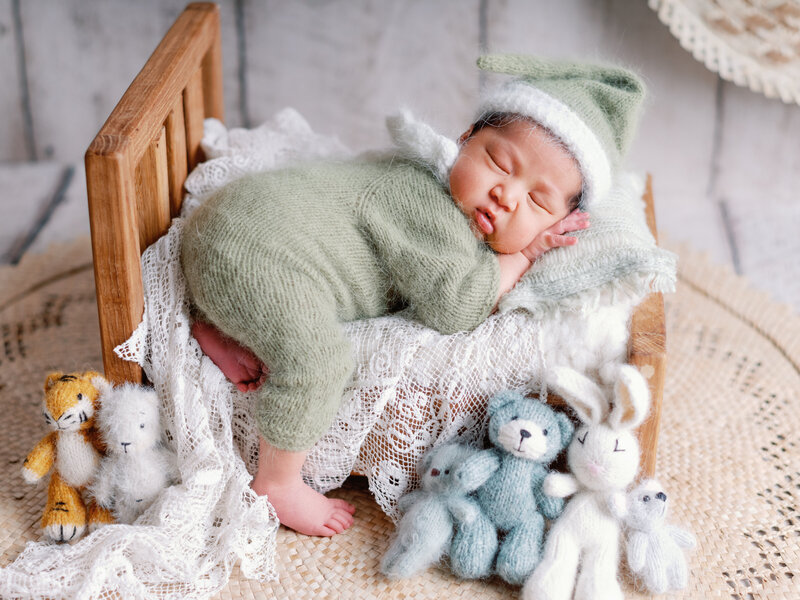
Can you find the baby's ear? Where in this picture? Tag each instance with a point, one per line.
(465, 136)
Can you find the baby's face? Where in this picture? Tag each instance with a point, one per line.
(513, 183)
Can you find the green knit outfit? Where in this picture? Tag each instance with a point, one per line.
(279, 260)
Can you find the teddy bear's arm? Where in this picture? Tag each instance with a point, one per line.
(477, 469)
(549, 506)
(683, 538)
(171, 462)
(102, 487)
(463, 509)
(406, 501)
(40, 460)
(636, 551)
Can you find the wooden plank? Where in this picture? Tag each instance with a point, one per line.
(193, 113)
(213, 97)
(115, 248)
(759, 157)
(152, 192)
(81, 56)
(345, 65)
(13, 141)
(70, 220)
(647, 350)
(25, 192)
(177, 165)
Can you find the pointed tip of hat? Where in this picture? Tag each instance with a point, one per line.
(533, 68)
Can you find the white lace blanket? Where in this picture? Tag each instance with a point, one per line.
(413, 388)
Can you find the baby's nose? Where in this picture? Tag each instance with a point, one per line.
(504, 196)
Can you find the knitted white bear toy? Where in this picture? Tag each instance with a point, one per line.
(603, 457)
(137, 466)
(654, 547)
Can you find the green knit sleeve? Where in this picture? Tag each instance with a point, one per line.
(448, 278)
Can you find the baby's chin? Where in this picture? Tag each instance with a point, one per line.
(505, 247)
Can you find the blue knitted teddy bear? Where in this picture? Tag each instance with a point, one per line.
(432, 513)
(527, 435)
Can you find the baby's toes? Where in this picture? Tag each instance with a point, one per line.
(339, 521)
(343, 505)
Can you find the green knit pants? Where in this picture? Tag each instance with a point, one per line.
(299, 338)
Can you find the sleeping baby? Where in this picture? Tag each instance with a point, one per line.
(276, 262)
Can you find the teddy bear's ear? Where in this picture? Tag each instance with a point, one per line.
(502, 399)
(566, 427)
(102, 384)
(51, 379)
(425, 462)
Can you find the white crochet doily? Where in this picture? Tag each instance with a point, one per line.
(413, 388)
(753, 43)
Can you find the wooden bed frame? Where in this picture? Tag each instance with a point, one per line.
(136, 166)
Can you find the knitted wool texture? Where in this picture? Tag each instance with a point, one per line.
(431, 513)
(279, 260)
(592, 108)
(654, 547)
(527, 435)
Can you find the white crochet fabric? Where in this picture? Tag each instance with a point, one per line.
(413, 388)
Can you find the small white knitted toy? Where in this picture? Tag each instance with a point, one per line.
(654, 547)
(137, 466)
(603, 457)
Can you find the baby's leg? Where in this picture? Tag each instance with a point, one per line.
(298, 506)
(236, 362)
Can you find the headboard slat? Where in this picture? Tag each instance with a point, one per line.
(193, 113)
(212, 80)
(152, 192)
(176, 156)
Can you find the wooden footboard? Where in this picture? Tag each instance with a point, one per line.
(136, 166)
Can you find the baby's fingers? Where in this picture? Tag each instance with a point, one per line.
(556, 240)
(574, 221)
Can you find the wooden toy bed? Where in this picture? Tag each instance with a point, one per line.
(136, 166)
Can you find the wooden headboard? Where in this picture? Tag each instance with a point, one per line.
(137, 163)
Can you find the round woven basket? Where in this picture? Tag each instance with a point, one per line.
(729, 448)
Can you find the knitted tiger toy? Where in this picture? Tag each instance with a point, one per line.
(73, 451)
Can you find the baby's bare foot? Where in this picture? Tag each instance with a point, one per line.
(307, 511)
(236, 362)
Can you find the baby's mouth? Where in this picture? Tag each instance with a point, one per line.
(484, 222)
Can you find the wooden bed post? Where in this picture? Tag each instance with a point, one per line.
(647, 350)
(136, 166)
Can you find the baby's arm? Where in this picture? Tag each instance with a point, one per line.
(513, 266)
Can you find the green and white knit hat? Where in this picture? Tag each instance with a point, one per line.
(593, 109)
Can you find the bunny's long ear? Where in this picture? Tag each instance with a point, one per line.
(581, 393)
(631, 399)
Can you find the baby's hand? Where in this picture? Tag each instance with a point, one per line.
(554, 236)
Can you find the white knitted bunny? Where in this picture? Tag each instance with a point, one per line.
(604, 459)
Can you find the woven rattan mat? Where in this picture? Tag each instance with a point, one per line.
(729, 451)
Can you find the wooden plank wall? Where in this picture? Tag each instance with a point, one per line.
(720, 155)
